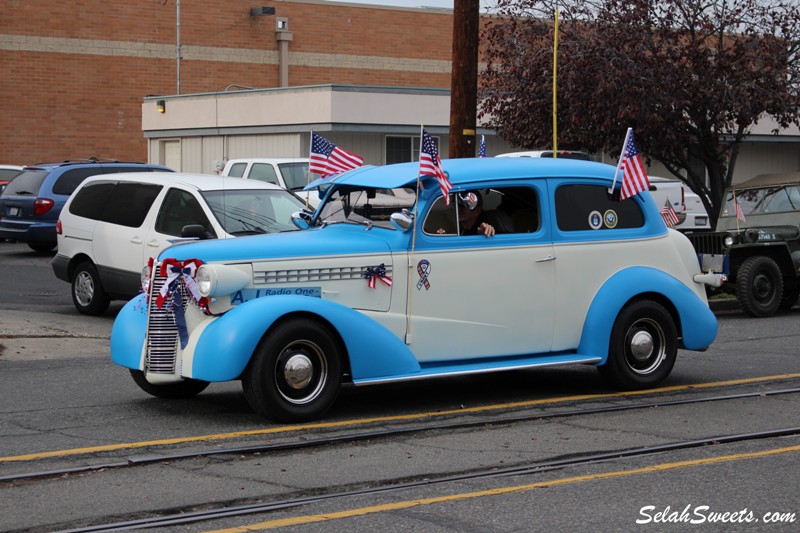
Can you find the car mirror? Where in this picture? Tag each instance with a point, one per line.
(302, 219)
(194, 231)
(402, 220)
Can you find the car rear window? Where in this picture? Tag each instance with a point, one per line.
(91, 199)
(27, 183)
(237, 170)
(129, 203)
(590, 207)
(295, 175)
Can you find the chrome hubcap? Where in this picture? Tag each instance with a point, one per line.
(298, 371)
(641, 345)
(84, 289)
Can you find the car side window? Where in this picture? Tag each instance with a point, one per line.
(67, 182)
(237, 170)
(90, 200)
(180, 208)
(263, 172)
(129, 203)
(591, 207)
(507, 209)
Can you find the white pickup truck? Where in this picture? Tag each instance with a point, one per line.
(688, 206)
(288, 172)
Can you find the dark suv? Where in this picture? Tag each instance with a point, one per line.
(758, 250)
(31, 202)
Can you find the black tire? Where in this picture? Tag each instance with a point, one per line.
(306, 390)
(87, 291)
(42, 246)
(188, 388)
(759, 286)
(643, 346)
(789, 297)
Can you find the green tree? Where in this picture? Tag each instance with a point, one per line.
(691, 77)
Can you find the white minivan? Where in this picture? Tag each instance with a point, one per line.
(113, 224)
(291, 173)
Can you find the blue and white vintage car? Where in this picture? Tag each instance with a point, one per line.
(387, 283)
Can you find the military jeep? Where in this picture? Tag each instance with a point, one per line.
(758, 248)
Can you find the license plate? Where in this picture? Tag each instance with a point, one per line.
(13, 211)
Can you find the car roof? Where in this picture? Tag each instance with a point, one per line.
(471, 170)
(203, 182)
(277, 160)
(88, 162)
(769, 180)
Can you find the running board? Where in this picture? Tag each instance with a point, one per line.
(483, 367)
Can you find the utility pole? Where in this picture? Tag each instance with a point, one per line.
(464, 79)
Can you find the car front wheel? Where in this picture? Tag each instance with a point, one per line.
(188, 388)
(759, 286)
(295, 372)
(87, 292)
(643, 346)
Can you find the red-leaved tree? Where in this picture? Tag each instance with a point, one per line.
(691, 77)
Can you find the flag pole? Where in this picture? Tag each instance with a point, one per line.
(555, 78)
(410, 268)
(735, 208)
(619, 162)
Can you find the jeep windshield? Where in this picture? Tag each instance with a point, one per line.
(364, 205)
(763, 201)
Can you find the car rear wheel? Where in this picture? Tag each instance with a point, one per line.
(87, 292)
(643, 346)
(759, 286)
(188, 388)
(295, 372)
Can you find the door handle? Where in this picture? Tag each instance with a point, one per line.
(546, 259)
(152, 244)
(136, 240)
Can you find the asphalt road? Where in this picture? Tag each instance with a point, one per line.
(59, 391)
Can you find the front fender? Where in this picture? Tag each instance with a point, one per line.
(128, 333)
(227, 343)
(698, 324)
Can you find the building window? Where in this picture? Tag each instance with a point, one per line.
(404, 149)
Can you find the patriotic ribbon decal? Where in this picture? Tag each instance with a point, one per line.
(372, 276)
(424, 270)
(175, 271)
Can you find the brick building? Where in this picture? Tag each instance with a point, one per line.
(75, 74)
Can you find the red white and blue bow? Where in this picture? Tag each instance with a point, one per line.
(373, 274)
(173, 270)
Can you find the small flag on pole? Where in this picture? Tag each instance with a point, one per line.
(739, 212)
(482, 149)
(431, 165)
(634, 176)
(669, 215)
(326, 158)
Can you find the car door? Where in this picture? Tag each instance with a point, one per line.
(119, 236)
(173, 211)
(474, 296)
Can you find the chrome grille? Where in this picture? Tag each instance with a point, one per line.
(707, 243)
(162, 333)
(263, 277)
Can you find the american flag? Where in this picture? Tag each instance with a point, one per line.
(669, 215)
(634, 176)
(482, 149)
(431, 165)
(739, 211)
(326, 158)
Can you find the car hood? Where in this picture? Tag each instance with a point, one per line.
(339, 239)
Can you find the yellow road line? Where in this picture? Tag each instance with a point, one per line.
(394, 418)
(406, 504)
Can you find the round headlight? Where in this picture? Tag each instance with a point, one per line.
(205, 280)
(728, 241)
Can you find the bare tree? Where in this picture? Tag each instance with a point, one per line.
(691, 77)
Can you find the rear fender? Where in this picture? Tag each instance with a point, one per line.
(697, 324)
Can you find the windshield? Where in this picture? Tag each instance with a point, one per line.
(253, 211)
(360, 205)
(762, 201)
(295, 175)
